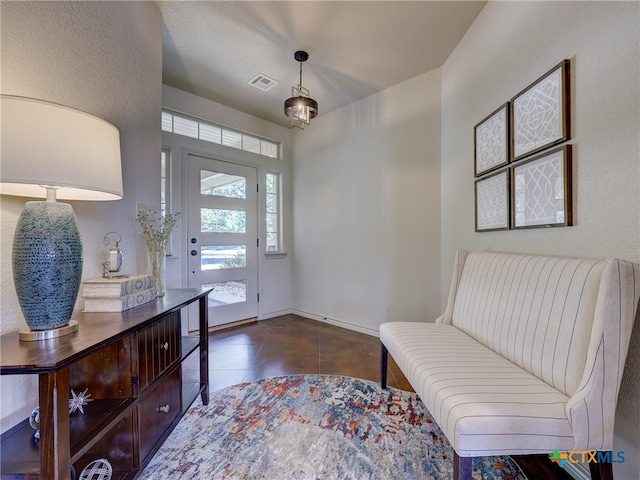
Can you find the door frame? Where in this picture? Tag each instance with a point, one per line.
(179, 168)
(271, 266)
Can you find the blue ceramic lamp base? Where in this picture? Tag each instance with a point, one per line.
(47, 265)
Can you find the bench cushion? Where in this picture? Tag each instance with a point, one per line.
(485, 404)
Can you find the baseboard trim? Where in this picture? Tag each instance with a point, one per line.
(279, 313)
(336, 322)
(224, 326)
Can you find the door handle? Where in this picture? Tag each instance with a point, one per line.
(194, 253)
(193, 240)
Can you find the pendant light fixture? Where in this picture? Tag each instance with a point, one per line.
(300, 107)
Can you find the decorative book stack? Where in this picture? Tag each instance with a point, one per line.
(118, 293)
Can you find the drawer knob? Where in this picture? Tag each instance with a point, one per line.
(163, 408)
(164, 346)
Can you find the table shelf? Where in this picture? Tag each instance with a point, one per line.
(104, 357)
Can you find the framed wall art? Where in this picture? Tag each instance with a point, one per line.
(540, 113)
(492, 202)
(491, 145)
(542, 190)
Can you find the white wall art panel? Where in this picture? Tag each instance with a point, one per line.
(542, 190)
(541, 113)
(492, 202)
(491, 144)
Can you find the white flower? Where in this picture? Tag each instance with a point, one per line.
(156, 230)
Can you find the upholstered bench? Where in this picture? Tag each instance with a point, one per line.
(527, 357)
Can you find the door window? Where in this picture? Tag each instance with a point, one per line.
(222, 184)
(216, 220)
(214, 257)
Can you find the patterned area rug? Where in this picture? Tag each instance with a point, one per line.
(312, 427)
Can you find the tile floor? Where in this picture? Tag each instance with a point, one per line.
(291, 344)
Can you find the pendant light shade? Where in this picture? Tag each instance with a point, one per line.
(301, 108)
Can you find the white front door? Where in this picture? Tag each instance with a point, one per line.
(222, 236)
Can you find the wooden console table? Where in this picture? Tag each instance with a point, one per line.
(137, 368)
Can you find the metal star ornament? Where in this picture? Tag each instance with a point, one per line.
(79, 400)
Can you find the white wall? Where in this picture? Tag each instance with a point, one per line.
(367, 209)
(509, 46)
(274, 271)
(104, 58)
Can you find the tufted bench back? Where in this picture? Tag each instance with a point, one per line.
(538, 312)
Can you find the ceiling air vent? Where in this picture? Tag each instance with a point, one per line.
(262, 82)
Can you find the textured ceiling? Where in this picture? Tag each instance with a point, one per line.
(213, 48)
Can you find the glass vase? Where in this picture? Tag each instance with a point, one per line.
(158, 269)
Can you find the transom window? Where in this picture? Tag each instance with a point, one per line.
(210, 132)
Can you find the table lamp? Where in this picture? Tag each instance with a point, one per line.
(70, 155)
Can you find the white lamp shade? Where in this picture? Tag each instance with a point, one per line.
(44, 144)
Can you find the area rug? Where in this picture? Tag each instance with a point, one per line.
(313, 427)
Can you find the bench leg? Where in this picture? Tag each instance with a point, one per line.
(462, 467)
(384, 355)
(601, 471)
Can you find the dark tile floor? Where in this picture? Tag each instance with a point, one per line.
(290, 344)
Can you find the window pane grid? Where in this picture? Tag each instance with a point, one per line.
(185, 126)
(268, 149)
(167, 122)
(273, 212)
(251, 144)
(219, 135)
(165, 193)
(232, 139)
(210, 133)
(272, 203)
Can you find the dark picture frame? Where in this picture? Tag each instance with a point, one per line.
(491, 141)
(492, 201)
(540, 114)
(541, 190)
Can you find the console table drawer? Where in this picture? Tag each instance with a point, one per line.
(158, 348)
(158, 410)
